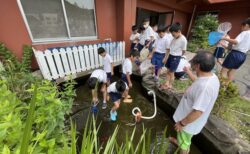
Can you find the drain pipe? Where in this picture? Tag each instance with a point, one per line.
(138, 113)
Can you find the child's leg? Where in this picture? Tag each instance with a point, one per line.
(104, 92)
(224, 72)
(230, 74)
(116, 105)
(168, 78)
(171, 79)
(94, 95)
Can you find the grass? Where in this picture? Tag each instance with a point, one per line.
(236, 111)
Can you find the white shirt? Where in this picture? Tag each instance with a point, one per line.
(178, 45)
(201, 95)
(100, 75)
(169, 36)
(133, 37)
(182, 64)
(112, 88)
(127, 66)
(142, 38)
(107, 60)
(243, 40)
(156, 36)
(161, 44)
(149, 32)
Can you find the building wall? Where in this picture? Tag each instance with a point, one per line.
(234, 12)
(14, 34)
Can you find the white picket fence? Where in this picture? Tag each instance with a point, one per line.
(62, 62)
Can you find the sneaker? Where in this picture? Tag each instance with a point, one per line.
(112, 116)
(94, 109)
(104, 105)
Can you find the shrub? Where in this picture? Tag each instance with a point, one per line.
(203, 25)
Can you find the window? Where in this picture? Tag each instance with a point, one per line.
(58, 20)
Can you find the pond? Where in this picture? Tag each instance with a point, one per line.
(157, 124)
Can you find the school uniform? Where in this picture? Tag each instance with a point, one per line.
(100, 75)
(177, 45)
(145, 37)
(219, 50)
(107, 62)
(133, 40)
(237, 56)
(113, 93)
(126, 68)
(160, 46)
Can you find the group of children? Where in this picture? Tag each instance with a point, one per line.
(112, 91)
(167, 46)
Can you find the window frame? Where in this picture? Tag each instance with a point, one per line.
(69, 38)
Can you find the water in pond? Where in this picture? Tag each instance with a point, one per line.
(157, 124)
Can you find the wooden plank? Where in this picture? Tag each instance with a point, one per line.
(58, 62)
(42, 64)
(86, 55)
(82, 60)
(51, 64)
(91, 55)
(76, 58)
(71, 60)
(114, 52)
(123, 50)
(97, 63)
(65, 61)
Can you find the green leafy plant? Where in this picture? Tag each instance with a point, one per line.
(202, 26)
(26, 58)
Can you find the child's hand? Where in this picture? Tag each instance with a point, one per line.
(186, 69)
(130, 85)
(164, 60)
(150, 56)
(112, 73)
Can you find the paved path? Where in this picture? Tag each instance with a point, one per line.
(242, 78)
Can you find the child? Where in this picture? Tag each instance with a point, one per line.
(134, 37)
(149, 35)
(237, 56)
(178, 47)
(168, 33)
(155, 28)
(108, 65)
(142, 38)
(220, 49)
(98, 77)
(127, 68)
(117, 90)
(160, 47)
(180, 72)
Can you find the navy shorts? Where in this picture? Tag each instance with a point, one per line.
(124, 78)
(218, 52)
(115, 96)
(109, 76)
(234, 59)
(173, 62)
(157, 59)
(150, 47)
(139, 47)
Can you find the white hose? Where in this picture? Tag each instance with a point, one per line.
(151, 92)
